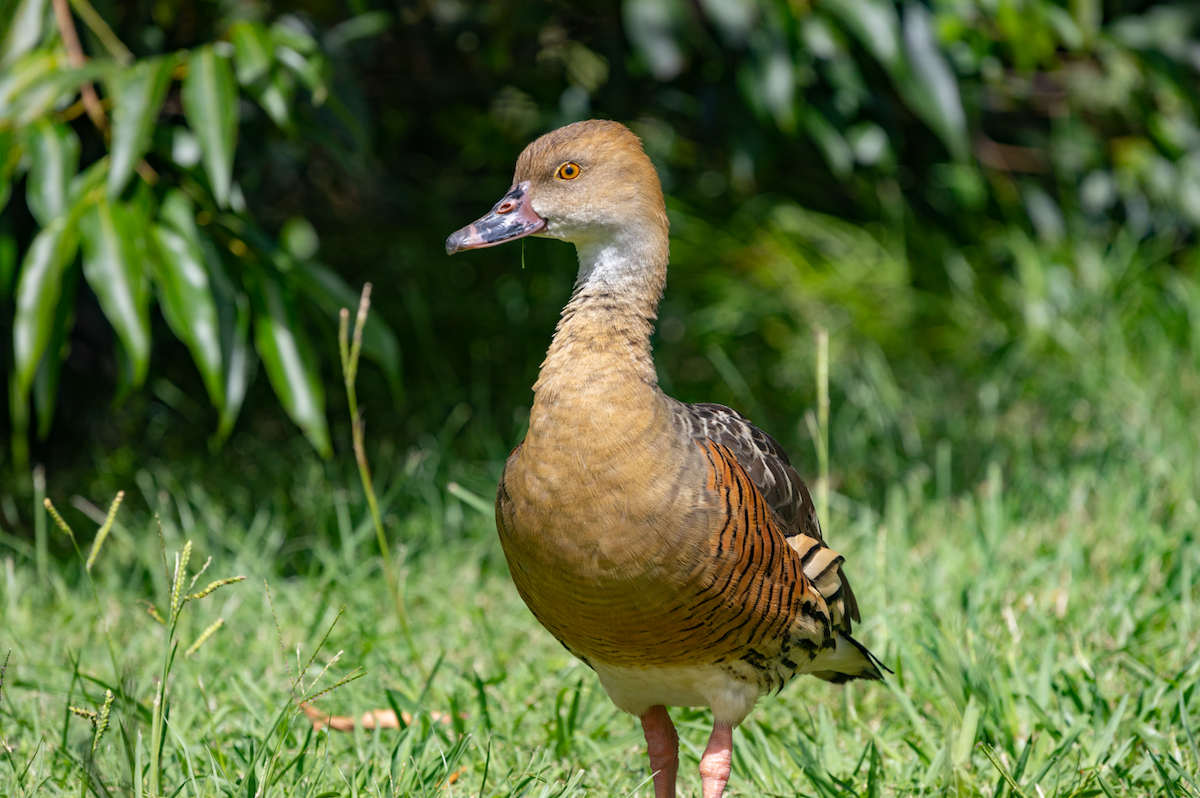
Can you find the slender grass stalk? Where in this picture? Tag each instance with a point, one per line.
(19, 426)
(156, 721)
(350, 349)
(3, 741)
(176, 603)
(39, 524)
(1003, 771)
(138, 770)
(486, 508)
(159, 711)
(945, 484)
(822, 336)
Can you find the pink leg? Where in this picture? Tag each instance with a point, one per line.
(663, 746)
(717, 760)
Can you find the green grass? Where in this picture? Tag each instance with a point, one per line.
(1048, 627)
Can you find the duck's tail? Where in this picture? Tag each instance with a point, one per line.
(846, 661)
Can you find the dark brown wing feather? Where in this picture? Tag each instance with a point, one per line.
(768, 466)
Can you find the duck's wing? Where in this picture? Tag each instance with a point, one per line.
(769, 469)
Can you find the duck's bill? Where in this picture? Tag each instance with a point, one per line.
(512, 218)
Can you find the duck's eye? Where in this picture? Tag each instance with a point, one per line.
(568, 171)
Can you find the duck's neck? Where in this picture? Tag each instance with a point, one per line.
(598, 416)
(602, 342)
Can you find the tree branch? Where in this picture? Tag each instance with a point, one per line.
(66, 27)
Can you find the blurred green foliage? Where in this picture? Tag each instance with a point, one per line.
(181, 230)
(990, 205)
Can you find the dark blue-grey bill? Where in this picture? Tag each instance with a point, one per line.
(512, 217)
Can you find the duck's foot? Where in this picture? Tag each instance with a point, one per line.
(717, 760)
(662, 743)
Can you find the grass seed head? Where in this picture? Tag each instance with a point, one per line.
(58, 519)
(317, 678)
(360, 321)
(104, 530)
(344, 340)
(354, 675)
(181, 561)
(152, 611)
(213, 586)
(102, 723)
(207, 633)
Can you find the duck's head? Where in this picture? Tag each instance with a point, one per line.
(587, 183)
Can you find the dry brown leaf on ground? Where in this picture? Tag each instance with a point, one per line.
(372, 719)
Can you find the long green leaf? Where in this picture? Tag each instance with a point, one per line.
(287, 356)
(8, 265)
(28, 72)
(179, 214)
(309, 69)
(876, 25)
(54, 151)
(932, 92)
(37, 297)
(10, 154)
(31, 86)
(332, 293)
(138, 94)
(290, 32)
(113, 254)
(187, 303)
(46, 380)
(86, 183)
(275, 97)
(830, 142)
(18, 414)
(252, 50)
(210, 104)
(239, 359)
(233, 316)
(24, 30)
(363, 26)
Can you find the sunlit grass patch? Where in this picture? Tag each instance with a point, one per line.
(1055, 652)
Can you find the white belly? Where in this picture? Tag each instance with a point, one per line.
(635, 690)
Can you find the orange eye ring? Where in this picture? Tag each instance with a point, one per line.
(569, 171)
